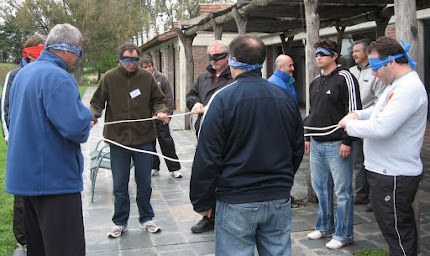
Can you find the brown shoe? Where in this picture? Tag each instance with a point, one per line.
(368, 208)
(358, 200)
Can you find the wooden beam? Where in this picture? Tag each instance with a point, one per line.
(312, 36)
(241, 21)
(340, 32)
(217, 28)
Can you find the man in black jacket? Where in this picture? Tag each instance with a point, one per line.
(333, 94)
(165, 140)
(216, 77)
(245, 166)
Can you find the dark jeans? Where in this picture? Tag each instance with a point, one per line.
(54, 225)
(120, 164)
(167, 146)
(18, 220)
(361, 185)
(391, 198)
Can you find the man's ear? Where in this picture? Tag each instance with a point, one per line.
(335, 55)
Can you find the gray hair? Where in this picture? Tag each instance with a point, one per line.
(64, 33)
(364, 43)
(224, 47)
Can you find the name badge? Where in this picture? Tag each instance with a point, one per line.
(135, 93)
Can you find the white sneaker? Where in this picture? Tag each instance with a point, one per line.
(317, 234)
(117, 231)
(150, 226)
(155, 172)
(176, 174)
(335, 244)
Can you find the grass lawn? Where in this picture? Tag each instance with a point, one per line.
(378, 252)
(7, 239)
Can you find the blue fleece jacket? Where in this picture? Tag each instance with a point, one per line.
(250, 145)
(285, 81)
(47, 124)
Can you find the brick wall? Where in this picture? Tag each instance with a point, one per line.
(390, 31)
(201, 60)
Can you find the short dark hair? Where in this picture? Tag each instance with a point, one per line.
(329, 44)
(145, 60)
(130, 47)
(34, 41)
(248, 49)
(364, 43)
(385, 47)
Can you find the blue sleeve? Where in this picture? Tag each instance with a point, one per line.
(208, 158)
(67, 113)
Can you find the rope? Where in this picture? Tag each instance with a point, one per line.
(146, 152)
(144, 119)
(333, 127)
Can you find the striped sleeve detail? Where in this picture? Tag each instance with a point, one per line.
(3, 113)
(351, 89)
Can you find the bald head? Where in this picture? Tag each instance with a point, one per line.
(285, 64)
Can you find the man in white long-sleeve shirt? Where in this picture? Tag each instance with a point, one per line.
(393, 132)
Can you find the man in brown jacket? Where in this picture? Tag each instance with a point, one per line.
(130, 93)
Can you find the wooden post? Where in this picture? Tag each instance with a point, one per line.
(406, 29)
(187, 41)
(382, 19)
(283, 43)
(340, 32)
(312, 36)
(217, 28)
(241, 22)
(290, 41)
(286, 45)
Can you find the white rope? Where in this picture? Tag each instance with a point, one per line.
(144, 119)
(333, 127)
(147, 152)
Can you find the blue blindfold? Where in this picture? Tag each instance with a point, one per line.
(377, 63)
(67, 47)
(322, 51)
(240, 65)
(126, 60)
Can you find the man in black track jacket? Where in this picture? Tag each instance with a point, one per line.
(333, 94)
(244, 165)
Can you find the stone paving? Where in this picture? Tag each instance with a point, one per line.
(175, 216)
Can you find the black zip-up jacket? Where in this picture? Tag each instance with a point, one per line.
(250, 145)
(203, 89)
(331, 97)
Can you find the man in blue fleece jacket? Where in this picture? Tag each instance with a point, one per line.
(243, 165)
(283, 76)
(48, 122)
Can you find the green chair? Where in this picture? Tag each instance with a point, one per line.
(100, 158)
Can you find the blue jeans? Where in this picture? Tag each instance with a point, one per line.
(120, 164)
(241, 227)
(327, 167)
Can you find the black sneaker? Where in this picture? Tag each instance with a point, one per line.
(203, 225)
